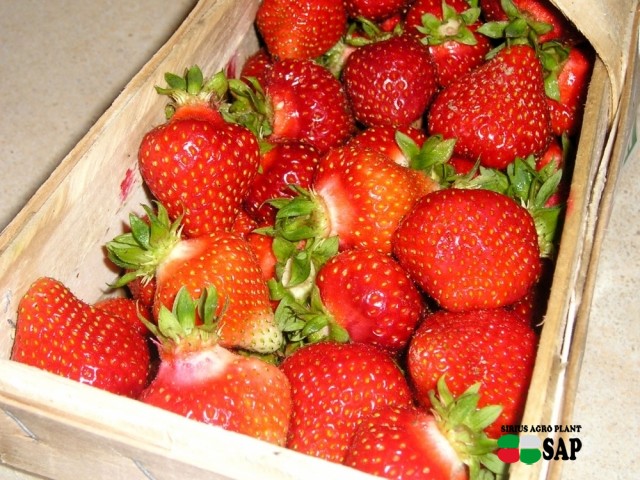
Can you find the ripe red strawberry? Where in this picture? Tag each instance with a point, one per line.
(553, 156)
(447, 443)
(282, 165)
(492, 347)
(390, 82)
(566, 86)
(244, 224)
(540, 190)
(375, 10)
(334, 387)
(128, 310)
(359, 195)
(59, 333)
(462, 165)
(498, 111)
(229, 264)
(300, 29)
(410, 147)
(257, 66)
(143, 290)
(383, 139)
(538, 17)
(369, 295)
(299, 101)
(224, 261)
(469, 249)
(198, 168)
(261, 245)
(449, 29)
(201, 380)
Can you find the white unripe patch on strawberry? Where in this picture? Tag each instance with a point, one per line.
(196, 367)
(330, 195)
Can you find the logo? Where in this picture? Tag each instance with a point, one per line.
(523, 445)
(524, 448)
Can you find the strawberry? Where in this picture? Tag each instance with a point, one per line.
(284, 164)
(469, 249)
(449, 29)
(446, 443)
(143, 290)
(224, 261)
(383, 139)
(539, 19)
(539, 189)
(59, 333)
(567, 81)
(229, 264)
(553, 156)
(128, 310)
(244, 224)
(407, 146)
(498, 111)
(299, 101)
(334, 387)
(210, 164)
(462, 165)
(358, 195)
(201, 380)
(261, 245)
(375, 10)
(300, 29)
(257, 66)
(369, 295)
(390, 82)
(494, 348)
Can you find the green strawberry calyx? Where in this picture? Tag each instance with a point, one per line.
(192, 89)
(517, 29)
(301, 246)
(301, 217)
(432, 158)
(463, 424)
(453, 26)
(248, 106)
(553, 56)
(178, 329)
(308, 322)
(142, 250)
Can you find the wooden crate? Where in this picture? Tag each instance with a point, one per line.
(57, 428)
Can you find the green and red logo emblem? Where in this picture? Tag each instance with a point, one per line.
(523, 448)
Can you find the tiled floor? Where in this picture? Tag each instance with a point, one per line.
(64, 61)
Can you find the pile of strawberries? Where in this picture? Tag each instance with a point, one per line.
(349, 244)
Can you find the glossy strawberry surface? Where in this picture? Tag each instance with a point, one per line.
(59, 333)
(497, 112)
(469, 249)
